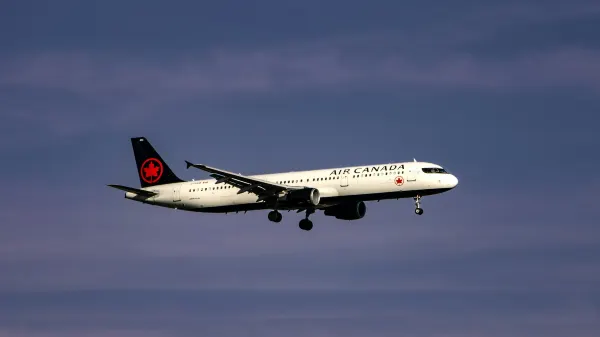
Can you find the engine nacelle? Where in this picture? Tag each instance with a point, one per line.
(347, 211)
(310, 196)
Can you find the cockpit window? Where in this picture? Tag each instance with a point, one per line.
(434, 170)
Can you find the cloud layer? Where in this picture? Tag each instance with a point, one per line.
(276, 71)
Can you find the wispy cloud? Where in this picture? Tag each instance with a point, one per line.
(99, 332)
(524, 12)
(274, 71)
(113, 89)
(297, 313)
(116, 91)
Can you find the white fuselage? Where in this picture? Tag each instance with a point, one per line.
(369, 182)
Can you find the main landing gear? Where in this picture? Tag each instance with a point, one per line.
(418, 209)
(275, 216)
(304, 224)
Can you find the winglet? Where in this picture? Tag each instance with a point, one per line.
(198, 166)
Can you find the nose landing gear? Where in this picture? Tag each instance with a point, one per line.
(418, 209)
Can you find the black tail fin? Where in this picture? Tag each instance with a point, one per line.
(152, 169)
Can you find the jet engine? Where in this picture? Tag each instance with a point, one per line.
(310, 196)
(347, 211)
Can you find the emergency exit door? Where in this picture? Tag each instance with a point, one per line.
(176, 193)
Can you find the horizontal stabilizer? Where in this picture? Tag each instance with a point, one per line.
(139, 192)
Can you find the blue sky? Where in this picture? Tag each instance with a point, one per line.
(503, 94)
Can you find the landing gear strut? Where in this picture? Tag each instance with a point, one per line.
(418, 209)
(275, 216)
(306, 224)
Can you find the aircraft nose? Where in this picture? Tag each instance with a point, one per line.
(453, 181)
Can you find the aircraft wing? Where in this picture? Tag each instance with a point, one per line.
(262, 188)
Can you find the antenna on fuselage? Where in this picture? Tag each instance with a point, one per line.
(415, 160)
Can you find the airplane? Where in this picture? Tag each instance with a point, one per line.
(338, 192)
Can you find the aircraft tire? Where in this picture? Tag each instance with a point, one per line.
(305, 224)
(275, 216)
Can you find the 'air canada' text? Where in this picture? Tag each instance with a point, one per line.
(358, 170)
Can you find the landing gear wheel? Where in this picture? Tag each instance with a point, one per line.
(305, 224)
(275, 216)
(419, 211)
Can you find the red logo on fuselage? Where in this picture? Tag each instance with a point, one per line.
(151, 170)
(399, 181)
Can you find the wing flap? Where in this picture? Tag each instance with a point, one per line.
(264, 189)
(221, 179)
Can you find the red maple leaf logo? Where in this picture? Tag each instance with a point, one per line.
(399, 181)
(152, 170)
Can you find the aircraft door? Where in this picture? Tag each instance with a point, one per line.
(176, 193)
(344, 181)
(411, 175)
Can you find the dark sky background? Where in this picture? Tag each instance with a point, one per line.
(503, 94)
